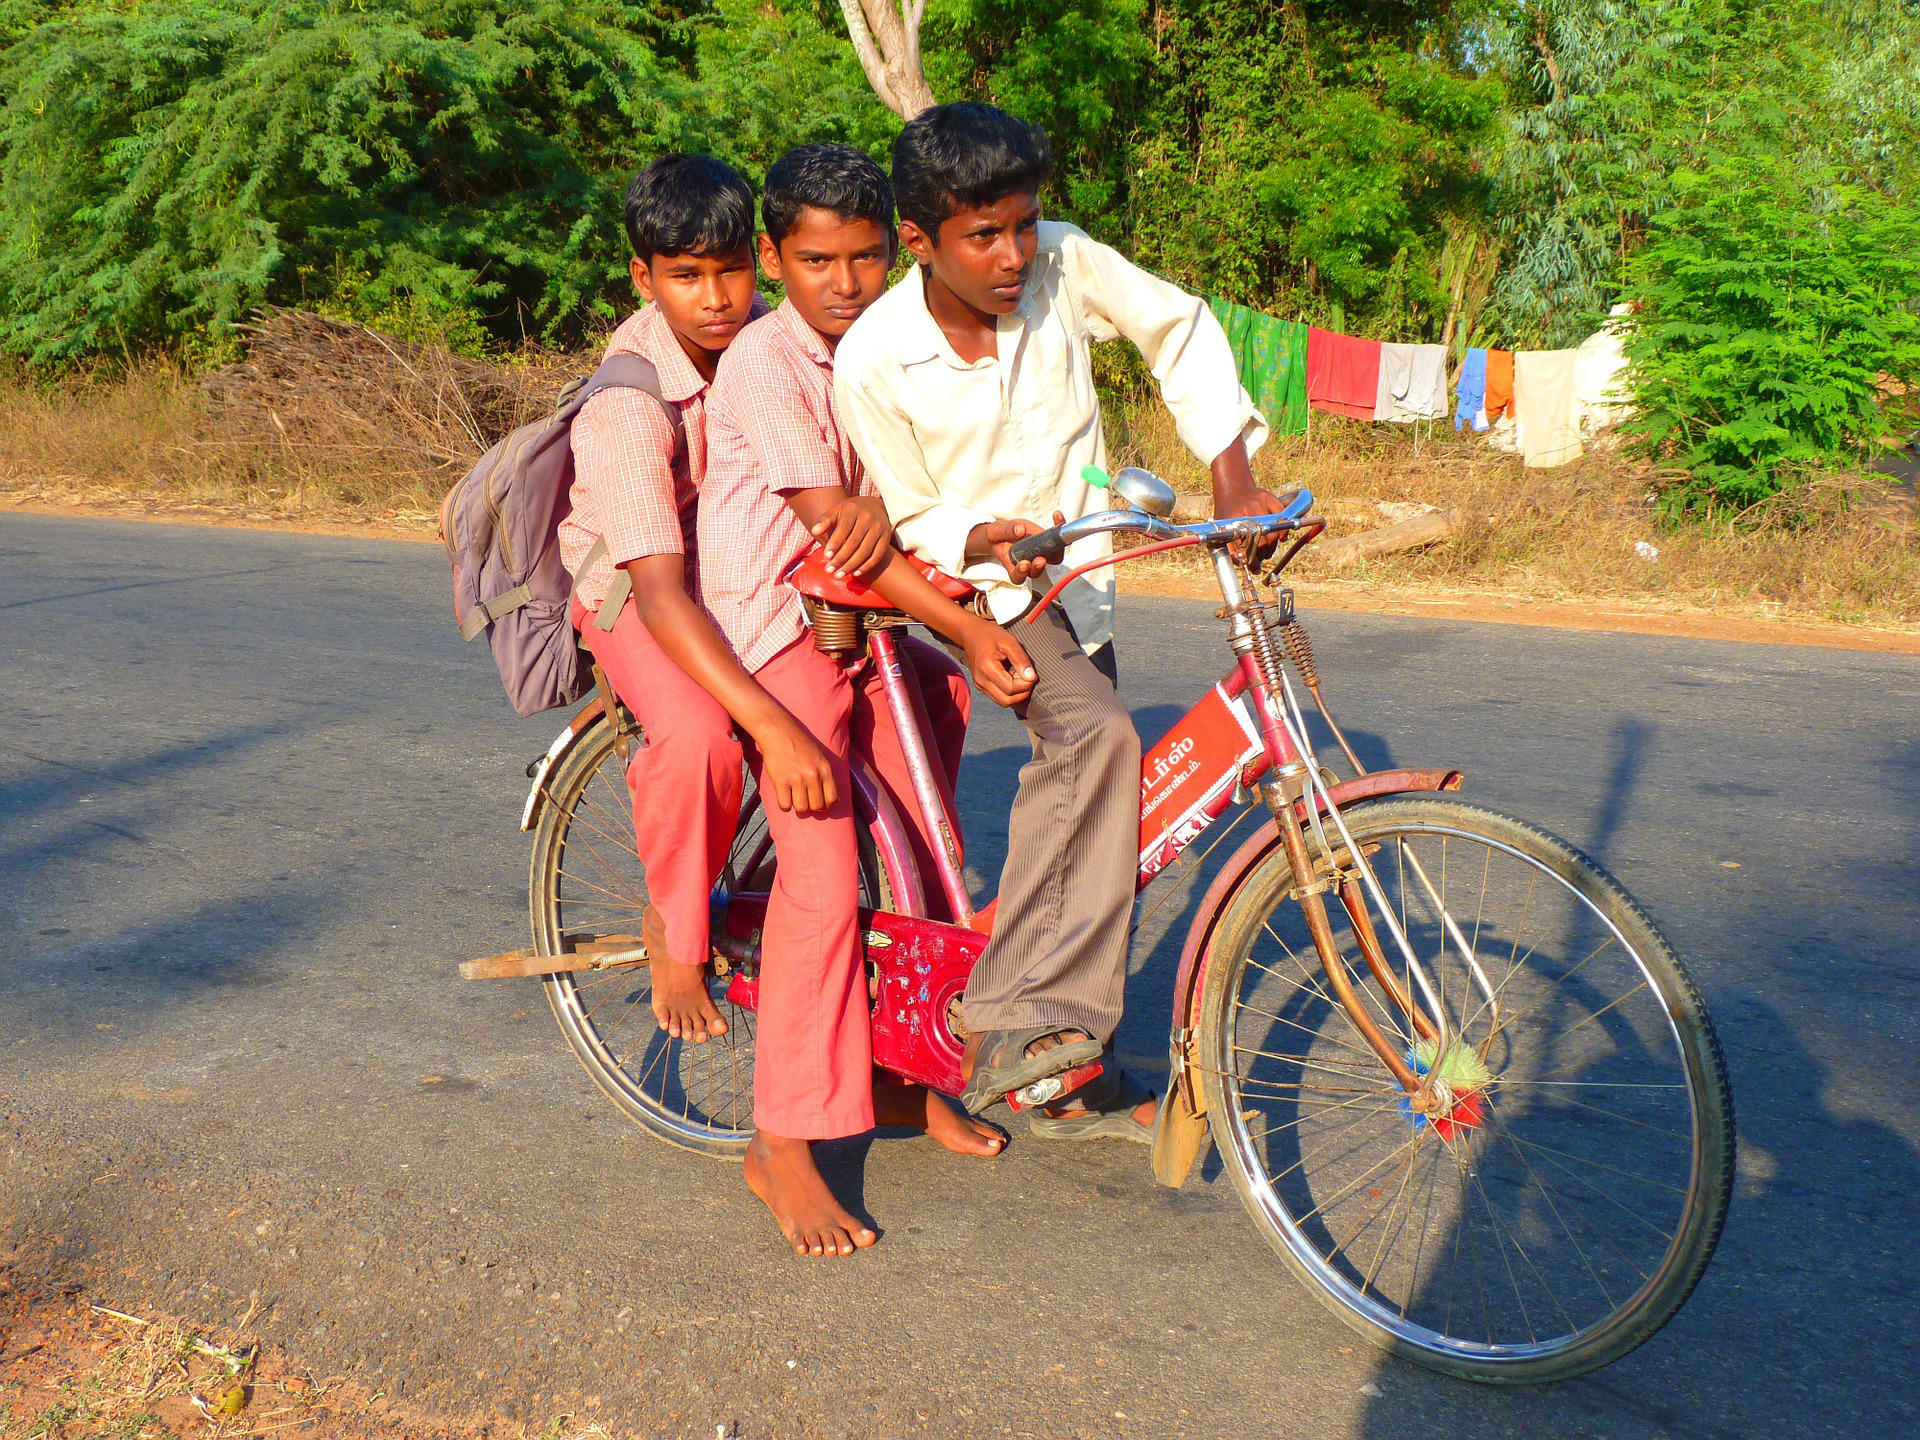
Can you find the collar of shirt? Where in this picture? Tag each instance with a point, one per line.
(647, 333)
(810, 341)
(921, 339)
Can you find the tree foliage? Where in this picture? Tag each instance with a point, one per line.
(1775, 308)
(1494, 170)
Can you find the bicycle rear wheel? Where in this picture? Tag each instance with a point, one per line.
(586, 881)
(1566, 1203)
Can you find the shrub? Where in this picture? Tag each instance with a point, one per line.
(164, 168)
(1774, 306)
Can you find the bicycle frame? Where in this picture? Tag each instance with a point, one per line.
(1247, 732)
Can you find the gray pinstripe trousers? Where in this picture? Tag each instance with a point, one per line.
(1058, 956)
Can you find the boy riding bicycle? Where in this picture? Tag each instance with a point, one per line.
(968, 391)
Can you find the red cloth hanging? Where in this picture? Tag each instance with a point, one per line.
(1343, 373)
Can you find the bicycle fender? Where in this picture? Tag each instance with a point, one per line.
(1184, 1110)
(887, 823)
(556, 752)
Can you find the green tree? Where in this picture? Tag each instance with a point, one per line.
(165, 168)
(1318, 160)
(1775, 304)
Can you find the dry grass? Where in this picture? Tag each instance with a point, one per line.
(328, 422)
(74, 1370)
(321, 419)
(1843, 554)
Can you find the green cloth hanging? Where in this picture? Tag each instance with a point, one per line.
(1271, 356)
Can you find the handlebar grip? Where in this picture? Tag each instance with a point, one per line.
(1046, 546)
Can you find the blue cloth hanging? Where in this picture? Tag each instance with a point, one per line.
(1472, 390)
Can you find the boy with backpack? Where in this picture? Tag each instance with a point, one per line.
(968, 391)
(780, 475)
(638, 464)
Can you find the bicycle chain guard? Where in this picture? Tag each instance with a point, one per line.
(916, 971)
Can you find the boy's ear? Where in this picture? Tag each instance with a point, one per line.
(642, 278)
(770, 259)
(919, 244)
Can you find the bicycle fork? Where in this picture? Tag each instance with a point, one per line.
(1297, 797)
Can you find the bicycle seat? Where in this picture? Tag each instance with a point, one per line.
(811, 577)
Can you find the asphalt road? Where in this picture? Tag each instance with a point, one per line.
(256, 800)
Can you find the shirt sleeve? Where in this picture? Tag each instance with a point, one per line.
(786, 438)
(1179, 336)
(623, 456)
(925, 521)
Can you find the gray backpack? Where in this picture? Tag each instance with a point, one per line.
(500, 524)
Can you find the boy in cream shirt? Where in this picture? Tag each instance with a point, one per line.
(968, 391)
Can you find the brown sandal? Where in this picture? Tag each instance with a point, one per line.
(1002, 1064)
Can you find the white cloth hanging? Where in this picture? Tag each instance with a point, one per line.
(1413, 383)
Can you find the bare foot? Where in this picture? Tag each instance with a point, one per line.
(914, 1107)
(782, 1173)
(681, 1001)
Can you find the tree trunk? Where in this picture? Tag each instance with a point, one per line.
(887, 40)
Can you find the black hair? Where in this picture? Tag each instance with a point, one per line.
(825, 177)
(965, 154)
(688, 205)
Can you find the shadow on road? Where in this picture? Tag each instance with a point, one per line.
(1816, 1271)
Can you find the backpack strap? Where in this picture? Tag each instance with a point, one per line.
(617, 591)
(623, 372)
(619, 372)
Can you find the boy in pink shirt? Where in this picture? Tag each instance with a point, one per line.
(781, 475)
(636, 485)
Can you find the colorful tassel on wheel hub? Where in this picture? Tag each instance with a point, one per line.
(1464, 1074)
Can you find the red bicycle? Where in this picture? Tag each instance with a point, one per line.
(1462, 1083)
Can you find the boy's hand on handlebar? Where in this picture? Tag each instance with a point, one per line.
(795, 770)
(855, 534)
(1252, 501)
(1000, 667)
(995, 540)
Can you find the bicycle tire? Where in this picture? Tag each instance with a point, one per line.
(697, 1097)
(1541, 1188)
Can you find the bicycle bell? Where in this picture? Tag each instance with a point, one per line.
(1144, 490)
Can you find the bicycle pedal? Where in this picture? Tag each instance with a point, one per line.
(1051, 1089)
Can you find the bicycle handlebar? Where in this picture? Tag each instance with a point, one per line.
(1051, 544)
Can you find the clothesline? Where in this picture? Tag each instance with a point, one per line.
(1541, 403)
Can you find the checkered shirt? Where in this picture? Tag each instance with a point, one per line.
(771, 430)
(631, 482)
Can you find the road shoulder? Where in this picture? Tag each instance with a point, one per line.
(1607, 614)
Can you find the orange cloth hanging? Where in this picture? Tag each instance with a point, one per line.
(1343, 373)
(1499, 384)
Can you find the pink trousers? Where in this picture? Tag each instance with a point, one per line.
(685, 781)
(686, 787)
(813, 1057)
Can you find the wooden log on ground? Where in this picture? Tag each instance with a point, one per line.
(1409, 534)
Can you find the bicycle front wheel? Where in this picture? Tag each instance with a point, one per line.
(1567, 1198)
